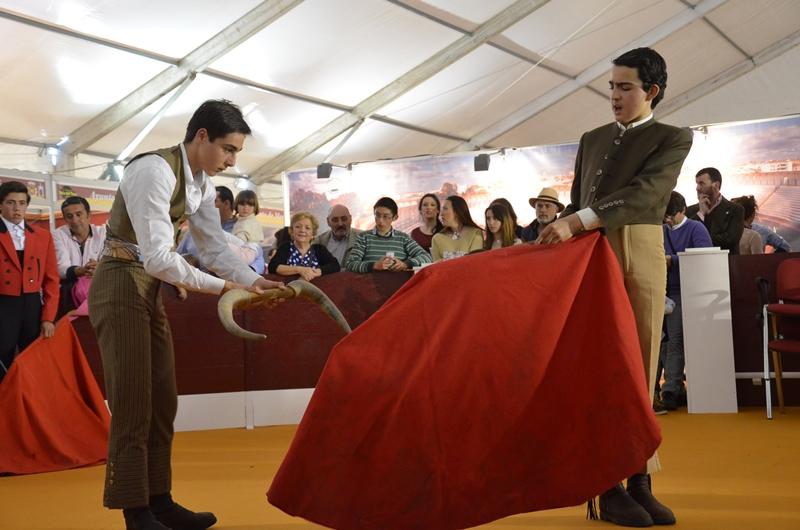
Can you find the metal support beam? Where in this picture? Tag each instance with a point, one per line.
(436, 63)
(546, 100)
(227, 39)
(734, 72)
(236, 80)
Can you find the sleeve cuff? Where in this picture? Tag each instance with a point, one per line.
(589, 219)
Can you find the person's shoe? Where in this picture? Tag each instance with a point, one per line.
(142, 519)
(617, 507)
(176, 517)
(669, 400)
(640, 490)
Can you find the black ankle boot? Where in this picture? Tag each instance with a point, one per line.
(617, 507)
(640, 490)
(176, 517)
(141, 519)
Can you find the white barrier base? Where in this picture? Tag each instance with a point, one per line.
(198, 412)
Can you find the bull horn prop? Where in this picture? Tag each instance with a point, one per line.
(243, 300)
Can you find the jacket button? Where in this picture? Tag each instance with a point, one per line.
(594, 188)
(598, 172)
(605, 157)
(617, 141)
(30, 281)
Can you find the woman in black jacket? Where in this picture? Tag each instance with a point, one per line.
(299, 256)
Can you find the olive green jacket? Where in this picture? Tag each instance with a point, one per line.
(627, 178)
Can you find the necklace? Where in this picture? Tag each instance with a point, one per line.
(455, 235)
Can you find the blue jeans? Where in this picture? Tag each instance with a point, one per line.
(671, 356)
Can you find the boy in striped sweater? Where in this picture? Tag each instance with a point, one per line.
(383, 248)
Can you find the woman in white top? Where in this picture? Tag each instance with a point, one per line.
(499, 227)
(247, 227)
(460, 235)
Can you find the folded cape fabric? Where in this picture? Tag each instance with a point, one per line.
(498, 383)
(52, 414)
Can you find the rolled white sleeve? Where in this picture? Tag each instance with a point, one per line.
(147, 188)
(64, 257)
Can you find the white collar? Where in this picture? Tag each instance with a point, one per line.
(636, 123)
(675, 227)
(11, 225)
(187, 169)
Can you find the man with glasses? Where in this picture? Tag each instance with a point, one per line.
(383, 248)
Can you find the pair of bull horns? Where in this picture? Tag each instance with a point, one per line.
(242, 300)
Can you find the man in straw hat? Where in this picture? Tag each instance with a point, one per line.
(624, 173)
(547, 208)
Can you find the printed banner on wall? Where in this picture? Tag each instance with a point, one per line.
(756, 158)
(100, 200)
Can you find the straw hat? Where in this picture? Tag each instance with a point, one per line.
(547, 195)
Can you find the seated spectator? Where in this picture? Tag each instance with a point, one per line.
(750, 242)
(78, 246)
(499, 227)
(547, 208)
(247, 227)
(429, 207)
(771, 241)
(341, 237)
(300, 256)
(280, 237)
(383, 248)
(250, 253)
(460, 235)
(224, 203)
(517, 227)
(680, 233)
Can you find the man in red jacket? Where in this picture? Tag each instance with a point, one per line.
(28, 276)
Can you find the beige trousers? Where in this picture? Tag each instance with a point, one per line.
(640, 251)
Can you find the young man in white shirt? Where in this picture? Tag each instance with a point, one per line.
(158, 192)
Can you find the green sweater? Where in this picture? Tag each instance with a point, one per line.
(371, 247)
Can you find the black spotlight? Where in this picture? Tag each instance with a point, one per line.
(481, 162)
(324, 170)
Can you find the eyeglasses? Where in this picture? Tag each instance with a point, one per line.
(386, 216)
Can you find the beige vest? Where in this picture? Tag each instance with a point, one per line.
(119, 222)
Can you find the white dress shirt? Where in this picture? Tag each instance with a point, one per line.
(68, 250)
(147, 187)
(17, 233)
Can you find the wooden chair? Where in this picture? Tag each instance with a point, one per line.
(788, 307)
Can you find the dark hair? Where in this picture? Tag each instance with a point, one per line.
(511, 212)
(386, 202)
(70, 201)
(500, 212)
(219, 117)
(676, 204)
(461, 211)
(282, 236)
(13, 186)
(225, 194)
(713, 174)
(246, 197)
(651, 67)
(439, 225)
(748, 202)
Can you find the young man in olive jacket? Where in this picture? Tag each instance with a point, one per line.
(624, 173)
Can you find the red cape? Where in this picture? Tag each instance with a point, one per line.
(498, 383)
(52, 414)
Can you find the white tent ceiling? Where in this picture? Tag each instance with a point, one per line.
(541, 80)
